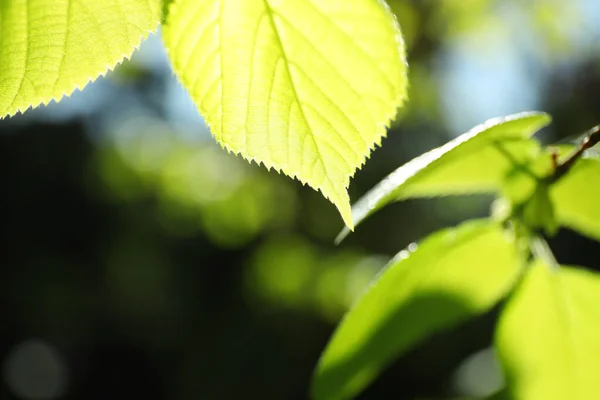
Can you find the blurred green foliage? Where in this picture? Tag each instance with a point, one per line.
(199, 186)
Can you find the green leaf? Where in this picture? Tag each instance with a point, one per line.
(521, 182)
(526, 194)
(475, 162)
(452, 275)
(547, 337)
(539, 211)
(306, 87)
(49, 48)
(575, 197)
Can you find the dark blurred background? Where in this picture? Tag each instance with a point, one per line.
(139, 260)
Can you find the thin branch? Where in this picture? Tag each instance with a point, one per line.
(591, 138)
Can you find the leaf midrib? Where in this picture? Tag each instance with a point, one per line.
(271, 18)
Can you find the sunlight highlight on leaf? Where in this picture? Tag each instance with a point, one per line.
(444, 281)
(575, 197)
(475, 162)
(306, 87)
(49, 48)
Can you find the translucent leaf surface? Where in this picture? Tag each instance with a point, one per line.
(576, 198)
(527, 192)
(304, 86)
(547, 336)
(475, 162)
(452, 275)
(48, 48)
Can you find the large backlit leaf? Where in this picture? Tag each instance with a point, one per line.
(304, 86)
(48, 48)
(576, 198)
(475, 162)
(452, 275)
(547, 337)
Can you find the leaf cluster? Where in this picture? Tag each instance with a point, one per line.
(308, 88)
(547, 332)
(305, 87)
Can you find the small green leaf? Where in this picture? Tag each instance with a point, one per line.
(306, 87)
(526, 192)
(522, 181)
(49, 48)
(575, 197)
(475, 162)
(539, 211)
(547, 337)
(452, 275)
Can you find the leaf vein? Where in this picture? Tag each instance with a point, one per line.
(27, 51)
(352, 41)
(270, 13)
(333, 69)
(250, 82)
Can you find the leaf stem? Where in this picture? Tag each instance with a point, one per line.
(591, 138)
(541, 250)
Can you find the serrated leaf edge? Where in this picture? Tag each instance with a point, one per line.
(108, 68)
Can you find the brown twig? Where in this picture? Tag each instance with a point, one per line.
(591, 138)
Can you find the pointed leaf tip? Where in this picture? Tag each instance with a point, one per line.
(346, 212)
(311, 103)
